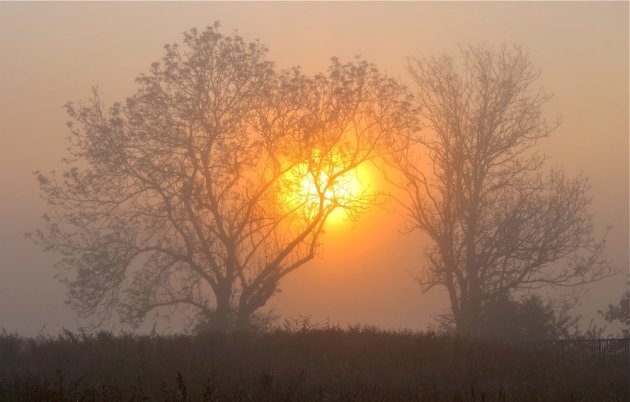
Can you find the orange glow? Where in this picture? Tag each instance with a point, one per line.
(326, 183)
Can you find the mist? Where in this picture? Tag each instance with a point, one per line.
(55, 53)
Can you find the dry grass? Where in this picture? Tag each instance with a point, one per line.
(358, 364)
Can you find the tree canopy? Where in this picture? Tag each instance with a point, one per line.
(217, 177)
(191, 193)
(498, 220)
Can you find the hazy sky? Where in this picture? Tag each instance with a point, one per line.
(55, 52)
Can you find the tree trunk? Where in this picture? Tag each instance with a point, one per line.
(243, 322)
(222, 318)
(245, 311)
(468, 319)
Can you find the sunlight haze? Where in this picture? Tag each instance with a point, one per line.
(364, 273)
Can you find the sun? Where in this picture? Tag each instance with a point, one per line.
(328, 184)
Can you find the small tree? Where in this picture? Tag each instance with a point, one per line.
(193, 192)
(620, 313)
(528, 319)
(476, 188)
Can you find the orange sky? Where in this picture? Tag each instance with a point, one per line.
(55, 52)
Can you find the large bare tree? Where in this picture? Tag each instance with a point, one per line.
(213, 181)
(498, 220)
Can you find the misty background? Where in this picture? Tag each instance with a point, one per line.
(55, 52)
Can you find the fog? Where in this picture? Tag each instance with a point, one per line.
(55, 52)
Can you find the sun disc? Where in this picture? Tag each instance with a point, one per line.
(337, 190)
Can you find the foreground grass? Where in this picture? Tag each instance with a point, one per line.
(315, 365)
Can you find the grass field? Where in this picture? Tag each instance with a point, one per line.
(357, 364)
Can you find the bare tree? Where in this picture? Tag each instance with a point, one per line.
(193, 192)
(478, 189)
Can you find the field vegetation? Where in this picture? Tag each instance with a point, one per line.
(298, 364)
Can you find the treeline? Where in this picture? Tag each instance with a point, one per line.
(329, 364)
(215, 180)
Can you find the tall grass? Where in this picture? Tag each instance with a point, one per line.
(330, 364)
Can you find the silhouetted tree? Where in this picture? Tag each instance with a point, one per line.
(477, 189)
(192, 192)
(510, 320)
(527, 319)
(620, 313)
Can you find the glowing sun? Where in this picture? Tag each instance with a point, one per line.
(326, 185)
